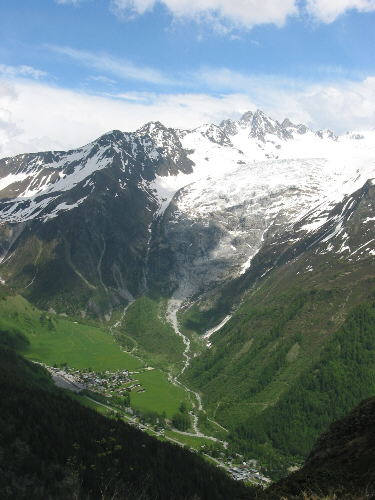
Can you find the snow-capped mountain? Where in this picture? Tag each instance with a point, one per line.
(179, 210)
(31, 184)
(253, 179)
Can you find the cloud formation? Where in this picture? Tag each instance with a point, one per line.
(245, 14)
(120, 68)
(32, 116)
(28, 71)
(46, 124)
(328, 11)
(241, 13)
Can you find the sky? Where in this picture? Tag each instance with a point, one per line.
(71, 70)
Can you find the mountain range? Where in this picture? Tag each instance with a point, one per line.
(256, 241)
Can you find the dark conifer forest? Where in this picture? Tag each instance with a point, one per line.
(52, 447)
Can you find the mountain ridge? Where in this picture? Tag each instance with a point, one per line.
(177, 179)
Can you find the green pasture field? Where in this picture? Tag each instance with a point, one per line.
(55, 339)
(190, 441)
(160, 394)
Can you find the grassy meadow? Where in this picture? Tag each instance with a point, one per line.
(55, 339)
(160, 395)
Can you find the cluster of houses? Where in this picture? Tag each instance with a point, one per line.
(105, 383)
(244, 473)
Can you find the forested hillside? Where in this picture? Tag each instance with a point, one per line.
(297, 354)
(52, 447)
(333, 385)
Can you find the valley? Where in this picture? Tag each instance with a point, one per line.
(226, 271)
(114, 381)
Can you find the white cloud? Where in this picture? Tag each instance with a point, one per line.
(224, 79)
(342, 106)
(240, 13)
(123, 69)
(329, 10)
(28, 71)
(37, 116)
(53, 118)
(101, 79)
(224, 15)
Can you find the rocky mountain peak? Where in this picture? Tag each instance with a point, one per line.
(229, 127)
(152, 127)
(163, 146)
(160, 135)
(291, 127)
(261, 125)
(110, 137)
(288, 124)
(326, 134)
(246, 119)
(216, 134)
(258, 124)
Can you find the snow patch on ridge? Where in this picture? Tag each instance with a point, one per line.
(11, 179)
(63, 207)
(216, 328)
(166, 187)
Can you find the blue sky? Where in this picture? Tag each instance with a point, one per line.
(180, 61)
